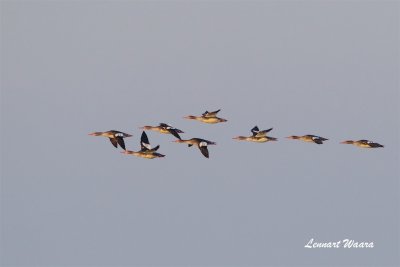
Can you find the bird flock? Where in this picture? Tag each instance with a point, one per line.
(258, 136)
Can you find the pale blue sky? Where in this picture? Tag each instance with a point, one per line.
(325, 68)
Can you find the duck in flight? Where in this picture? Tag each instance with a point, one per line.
(116, 137)
(200, 143)
(207, 117)
(309, 138)
(258, 136)
(146, 150)
(363, 143)
(164, 129)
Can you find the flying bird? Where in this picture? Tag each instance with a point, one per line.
(146, 151)
(363, 143)
(164, 129)
(200, 143)
(309, 138)
(207, 117)
(116, 137)
(258, 136)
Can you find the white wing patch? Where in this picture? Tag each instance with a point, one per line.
(119, 135)
(202, 144)
(167, 126)
(148, 146)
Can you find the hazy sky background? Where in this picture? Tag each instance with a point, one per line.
(325, 68)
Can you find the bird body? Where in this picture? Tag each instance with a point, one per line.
(164, 129)
(143, 154)
(258, 136)
(363, 143)
(309, 138)
(200, 143)
(207, 117)
(256, 139)
(146, 150)
(116, 137)
(210, 120)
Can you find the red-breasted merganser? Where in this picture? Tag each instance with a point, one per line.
(146, 150)
(258, 136)
(207, 117)
(116, 137)
(363, 143)
(309, 138)
(200, 143)
(164, 129)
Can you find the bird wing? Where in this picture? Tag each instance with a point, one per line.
(376, 145)
(174, 132)
(267, 131)
(114, 142)
(171, 130)
(164, 125)
(211, 114)
(154, 149)
(203, 142)
(263, 132)
(255, 130)
(144, 142)
(369, 143)
(316, 136)
(120, 141)
(204, 150)
(317, 140)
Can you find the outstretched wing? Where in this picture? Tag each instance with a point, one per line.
(263, 132)
(211, 114)
(144, 142)
(120, 141)
(164, 125)
(204, 151)
(203, 148)
(372, 144)
(317, 141)
(154, 148)
(114, 142)
(267, 131)
(174, 132)
(255, 130)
